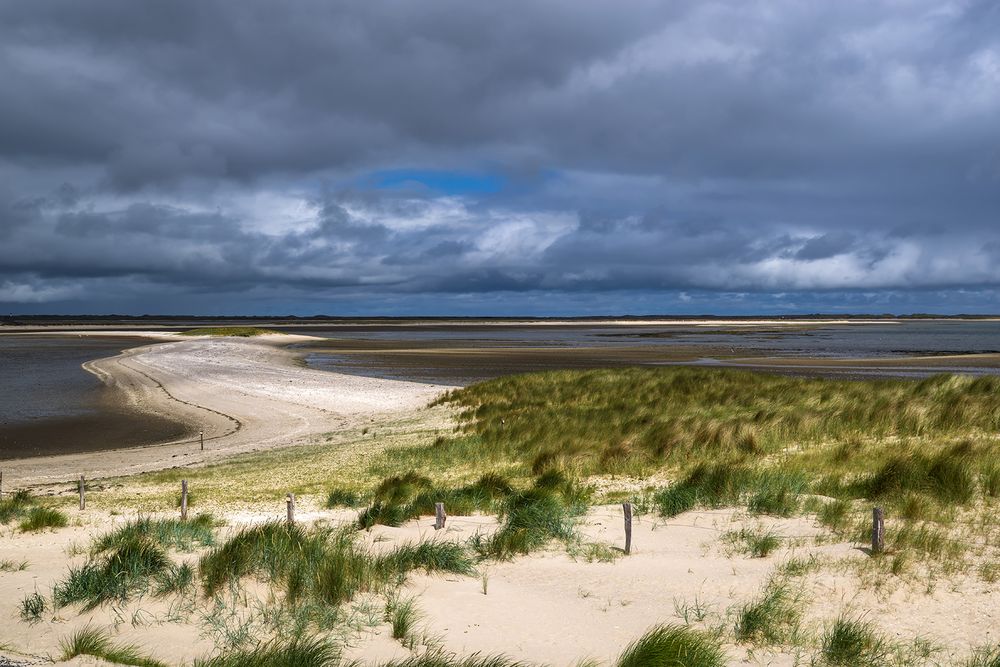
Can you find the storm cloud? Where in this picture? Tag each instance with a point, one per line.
(522, 157)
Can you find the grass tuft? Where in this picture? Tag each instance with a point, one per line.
(39, 518)
(300, 652)
(771, 617)
(95, 642)
(853, 643)
(673, 646)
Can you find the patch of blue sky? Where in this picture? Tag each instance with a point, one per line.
(445, 182)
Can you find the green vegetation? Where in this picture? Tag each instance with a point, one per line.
(320, 566)
(635, 420)
(96, 642)
(39, 518)
(673, 646)
(24, 507)
(116, 574)
(16, 506)
(302, 652)
(168, 533)
(242, 332)
(770, 618)
(402, 616)
(32, 607)
(342, 498)
(755, 542)
(853, 643)
(130, 559)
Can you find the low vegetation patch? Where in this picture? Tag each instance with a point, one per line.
(770, 618)
(754, 542)
(851, 642)
(40, 518)
(321, 567)
(635, 420)
(242, 332)
(168, 533)
(95, 642)
(301, 652)
(673, 645)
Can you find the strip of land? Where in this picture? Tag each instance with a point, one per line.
(242, 394)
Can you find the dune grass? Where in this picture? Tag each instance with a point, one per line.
(242, 332)
(32, 607)
(634, 420)
(115, 575)
(15, 506)
(40, 518)
(321, 565)
(851, 642)
(673, 645)
(300, 652)
(168, 533)
(96, 642)
(754, 542)
(770, 618)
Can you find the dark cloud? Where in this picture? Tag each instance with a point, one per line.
(157, 156)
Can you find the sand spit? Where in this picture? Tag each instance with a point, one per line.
(244, 394)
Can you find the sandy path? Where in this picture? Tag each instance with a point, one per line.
(244, 394)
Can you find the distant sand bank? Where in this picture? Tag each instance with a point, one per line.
(244, 394)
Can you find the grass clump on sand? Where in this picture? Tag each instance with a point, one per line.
(673, 645)
(168, 533)
(242, 332)
(764, 491)
(770, 618)
(320, 566)
(754, 542)
(39, 518)
(342, 498)
(399, 498)
(22, 506)
(300, 652)
(95, 642)
(32, 607)
(116, 574)
(853, 643)
(532, 518)
(16, 506)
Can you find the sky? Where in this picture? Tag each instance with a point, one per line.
(526, 157)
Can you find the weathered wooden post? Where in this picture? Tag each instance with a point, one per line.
(290, 502)
(1, 483)
(184, 500)
(201, 437)
(439, 516)
(627, 509)
(878, 531)
(83, 498)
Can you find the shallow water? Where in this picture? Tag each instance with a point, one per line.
(49, 404)
(480, 352)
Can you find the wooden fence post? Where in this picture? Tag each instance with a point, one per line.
(201, 436)
(184, 500)
(1, 483)
(83, 498)
(878, 530)
(439, 516)
(290, 502)
(627, 509)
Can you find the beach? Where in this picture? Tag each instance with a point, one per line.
(242, 394)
